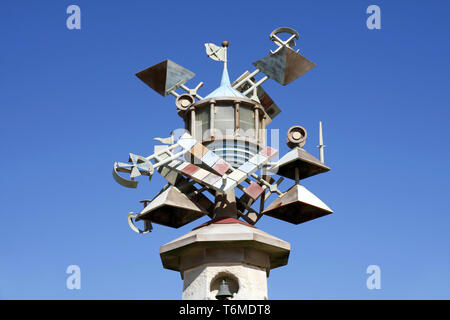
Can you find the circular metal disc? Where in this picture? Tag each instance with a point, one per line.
(184, 101)
(296, 137)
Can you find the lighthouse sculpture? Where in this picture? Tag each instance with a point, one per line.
(220, 166)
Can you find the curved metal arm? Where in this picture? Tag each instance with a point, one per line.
(148, 225)
(284, 30)
(287, 43)
(122, 181)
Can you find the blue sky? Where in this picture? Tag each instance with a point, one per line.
(71, 106)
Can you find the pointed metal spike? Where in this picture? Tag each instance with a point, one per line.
(321, 145)
(132, 158)
(135, 172)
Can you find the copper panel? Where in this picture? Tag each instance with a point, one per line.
(190, 169)
(198, 150)
(254, 190)
(269, 152)
(221, 167)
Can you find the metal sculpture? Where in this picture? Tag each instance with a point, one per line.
(206, 168)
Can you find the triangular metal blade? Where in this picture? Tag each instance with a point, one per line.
(135, 172)
(146, 166)
(133, 158)
(172, 208)
(165, 76)
(297, 205)
(284, 66)
(307, 165)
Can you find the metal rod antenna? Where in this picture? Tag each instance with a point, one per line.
(225, 48)
(321, 145)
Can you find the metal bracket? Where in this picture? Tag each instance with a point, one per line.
(147, 224)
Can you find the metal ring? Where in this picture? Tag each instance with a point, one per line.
(296, 137)
(184, 101)
(284, 30)
(133, 226)
(122, 181)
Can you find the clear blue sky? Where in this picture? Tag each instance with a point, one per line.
(71, 106)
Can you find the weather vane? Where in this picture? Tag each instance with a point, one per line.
(221, 165)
